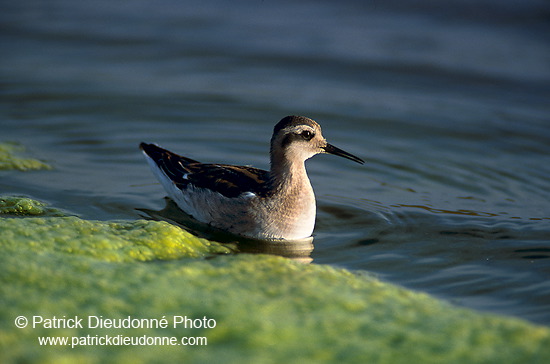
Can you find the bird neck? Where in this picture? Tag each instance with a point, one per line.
(287, 175)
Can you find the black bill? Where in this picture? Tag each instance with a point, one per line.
(331, 149)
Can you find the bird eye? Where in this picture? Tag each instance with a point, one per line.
(307, 135)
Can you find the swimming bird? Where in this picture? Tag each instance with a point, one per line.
(274, 204)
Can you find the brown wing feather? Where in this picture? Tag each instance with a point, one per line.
(229, 180)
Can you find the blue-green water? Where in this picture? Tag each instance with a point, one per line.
(448, 104)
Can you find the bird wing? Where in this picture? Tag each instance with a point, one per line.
(228, 180)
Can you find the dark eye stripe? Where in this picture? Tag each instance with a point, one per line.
(286, 140)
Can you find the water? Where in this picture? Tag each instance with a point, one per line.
(447, 104)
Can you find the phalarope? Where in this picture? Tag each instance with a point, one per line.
(274, 204)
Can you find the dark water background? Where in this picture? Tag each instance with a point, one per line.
(448, 102)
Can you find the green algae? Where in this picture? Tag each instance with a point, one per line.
(10, 158)
(139, 240)
(13, 205)
(267, 309)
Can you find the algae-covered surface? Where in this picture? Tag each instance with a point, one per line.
(109, 241)
(245, 308)
(14, 205)
(11, 158)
